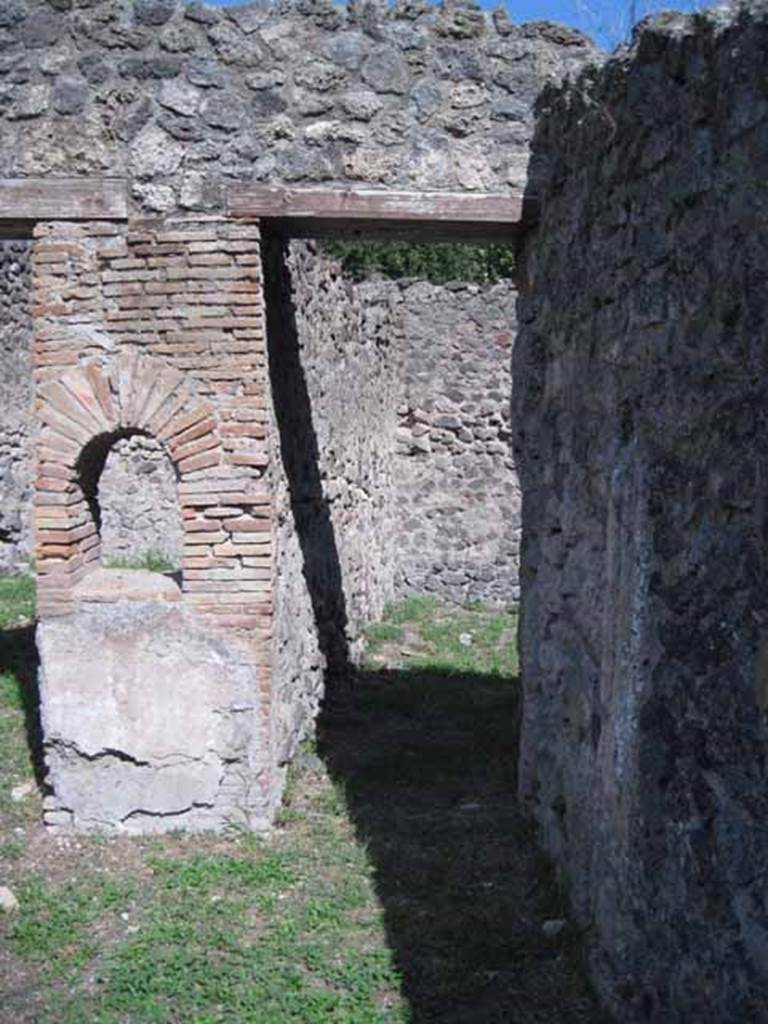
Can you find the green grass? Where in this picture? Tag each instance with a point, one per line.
(54, 926)
(151, 561)
(413, 609)
(17, 768)
(17, 600)
(18, 701)
(423, 635)
(382, 632)
(401, 884)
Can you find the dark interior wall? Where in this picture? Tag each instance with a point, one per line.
(16, 387)
(642, 441)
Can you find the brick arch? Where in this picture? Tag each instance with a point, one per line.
(82, 414)
(139, 393)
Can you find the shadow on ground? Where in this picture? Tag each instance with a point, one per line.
(427, 763)
(19, 658)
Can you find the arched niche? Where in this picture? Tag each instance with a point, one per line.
(83, 415)
(130, 484)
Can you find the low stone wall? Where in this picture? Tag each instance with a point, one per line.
(151, 720)
(457, 496)
(16, 395)
(642, 440)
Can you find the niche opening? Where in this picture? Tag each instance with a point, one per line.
(131, 488)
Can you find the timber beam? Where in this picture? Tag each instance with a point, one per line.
(416, 216)
(27, 200)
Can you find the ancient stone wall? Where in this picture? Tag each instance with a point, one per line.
(335, 386)
(642, 438)
(351, 367)
(452, 500)
(139, 502)
(153, 328)
(394, 474)
(138, 493)
(16, 391)
(185, 99)
(457, 496)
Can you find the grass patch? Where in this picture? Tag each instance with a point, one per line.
(54, 926)
(423, 635)
(401, 884)
(17, 600)
(150, 561)
(413, 609)
(19, 739)
(383, 632)
(17, 768)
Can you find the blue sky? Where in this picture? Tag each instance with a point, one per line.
(605, 20)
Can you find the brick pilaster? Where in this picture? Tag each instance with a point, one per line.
(158, 328)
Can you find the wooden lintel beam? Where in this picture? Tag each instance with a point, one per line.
(398, 214)
(390, 230)
(33, 199)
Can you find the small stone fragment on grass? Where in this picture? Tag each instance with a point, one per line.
(465, 639)
(8, 901)
(22, 791)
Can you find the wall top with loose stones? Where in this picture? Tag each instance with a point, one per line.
(185, 98)
(598, 108)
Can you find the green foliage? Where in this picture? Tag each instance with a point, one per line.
(241, 936)
(451, 641)
(417, 608)
(53, 926)
(16, 761)
(18, 707)
(17, 600)
(470, 641)
(203, 873)
(150, 561)
(11, 697)
(383, 632)
(432, 261)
